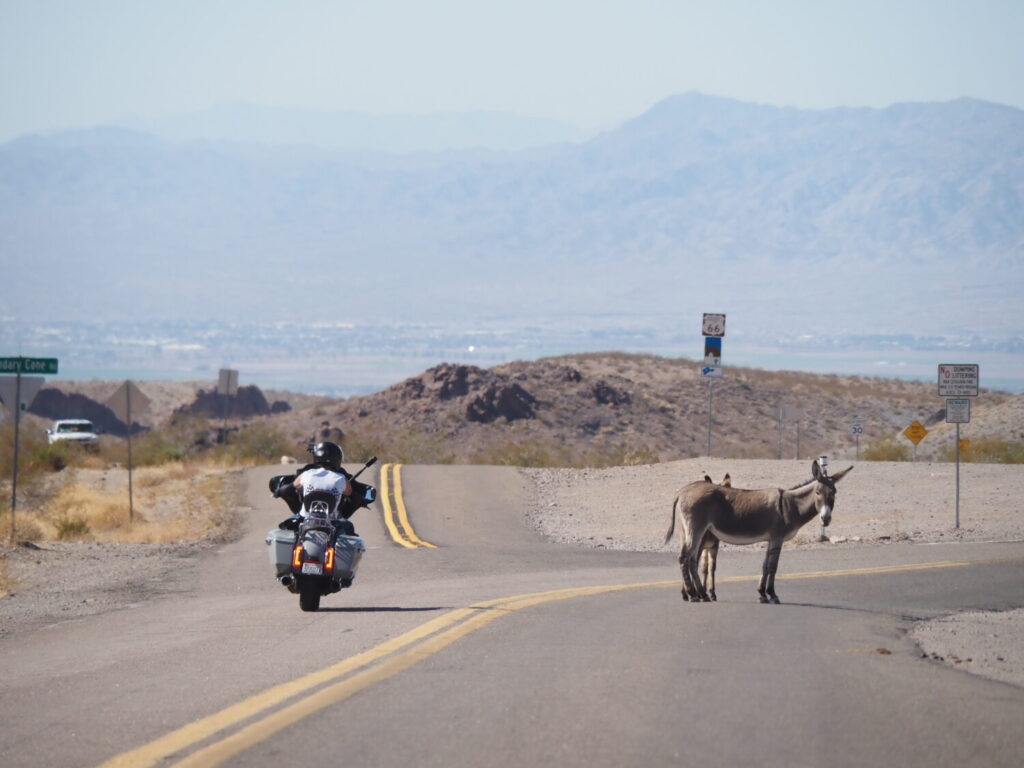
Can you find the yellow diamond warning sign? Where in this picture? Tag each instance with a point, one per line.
(915, 432)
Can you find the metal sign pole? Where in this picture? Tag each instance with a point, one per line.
(780, 431)
(958, 475)
(709, 417)
(17, 429)
(131, 495)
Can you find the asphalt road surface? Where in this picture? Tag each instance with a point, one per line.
(496, 648)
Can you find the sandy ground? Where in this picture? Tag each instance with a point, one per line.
(625, 508)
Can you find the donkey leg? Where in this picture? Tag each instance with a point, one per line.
(712, 564)
(771, 566)
(687, 589)
(705, 555)
(762, 585)
(692, 556)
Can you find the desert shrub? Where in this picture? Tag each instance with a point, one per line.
(625, 454)
(257, 443)
(405, 447)
(520, 453)
(26, 527)
(888, 449)
(184, 436)
(988, 450)
(35, 454)
(72, 528)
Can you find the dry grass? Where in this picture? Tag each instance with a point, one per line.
(6, 582)
(171, 503)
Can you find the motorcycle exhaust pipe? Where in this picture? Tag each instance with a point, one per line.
(286, 580)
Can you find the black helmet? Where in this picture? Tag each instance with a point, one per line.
(328, 454)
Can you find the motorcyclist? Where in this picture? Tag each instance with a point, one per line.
(325, 474)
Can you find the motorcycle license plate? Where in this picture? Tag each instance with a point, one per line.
(317, 569)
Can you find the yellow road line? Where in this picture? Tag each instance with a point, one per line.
(389, 514)
(403, 515)
(259, 731)
(426, 640)
(401, 531)
(156, 751)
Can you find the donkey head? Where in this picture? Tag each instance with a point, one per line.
(825, 491)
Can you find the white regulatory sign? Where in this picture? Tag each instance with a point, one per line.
(712, 371)
(958, 380)
(958, 410)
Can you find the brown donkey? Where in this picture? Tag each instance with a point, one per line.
(738, 516)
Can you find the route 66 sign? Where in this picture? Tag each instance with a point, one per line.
(713, 325)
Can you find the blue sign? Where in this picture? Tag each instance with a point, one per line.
(713, 350)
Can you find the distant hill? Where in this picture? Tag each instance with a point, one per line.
(642, 408)
(844, 220)
(604, 408)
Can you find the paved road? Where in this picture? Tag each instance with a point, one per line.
(498, 648)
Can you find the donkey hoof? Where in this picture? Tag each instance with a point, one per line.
(763, 598)
(775, 599)
(686, 598)
(714, 597)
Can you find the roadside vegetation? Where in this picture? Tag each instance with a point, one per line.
(988, 450)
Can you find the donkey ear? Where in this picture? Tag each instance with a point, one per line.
(727, 480)
(840, 475)
(707, 478)
(815, 470)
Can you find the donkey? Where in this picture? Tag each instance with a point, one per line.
(738, 516)
(709, 552)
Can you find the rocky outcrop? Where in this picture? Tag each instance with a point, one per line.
(248, 402)
(508, 401)
(606, 394)
(53, 404)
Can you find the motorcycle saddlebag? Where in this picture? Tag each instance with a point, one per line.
(281, 543)
(348, 551)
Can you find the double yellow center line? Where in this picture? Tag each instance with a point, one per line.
(398, 525)
(260, 716)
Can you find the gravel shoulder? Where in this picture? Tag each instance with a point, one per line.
(622, 508)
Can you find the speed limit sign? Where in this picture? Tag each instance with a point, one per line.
(857, 428)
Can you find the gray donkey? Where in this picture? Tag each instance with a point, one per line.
(738, 516)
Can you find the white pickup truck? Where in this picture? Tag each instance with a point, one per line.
(77, 431)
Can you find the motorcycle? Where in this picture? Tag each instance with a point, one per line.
(315, 552)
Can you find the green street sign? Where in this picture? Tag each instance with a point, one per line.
(28, 364)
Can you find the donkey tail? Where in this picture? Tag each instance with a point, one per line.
(672, 526)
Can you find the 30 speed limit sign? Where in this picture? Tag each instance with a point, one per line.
(857, 428)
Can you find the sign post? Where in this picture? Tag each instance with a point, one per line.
(857, 429)
(958, 411)
(713, 329)
(18, 366)
(121, 404)
(957, 383)
(227, 386)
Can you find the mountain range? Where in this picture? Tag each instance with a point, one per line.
(903, 219)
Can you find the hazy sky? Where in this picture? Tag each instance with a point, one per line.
(589, 63)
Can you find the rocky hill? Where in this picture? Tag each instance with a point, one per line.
(619, 408)
(599, 409)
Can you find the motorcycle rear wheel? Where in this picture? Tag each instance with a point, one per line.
(309, 595)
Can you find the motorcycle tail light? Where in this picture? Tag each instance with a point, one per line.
(329, 561)
(297, 556)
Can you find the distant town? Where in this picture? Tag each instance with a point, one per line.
(346, 358)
